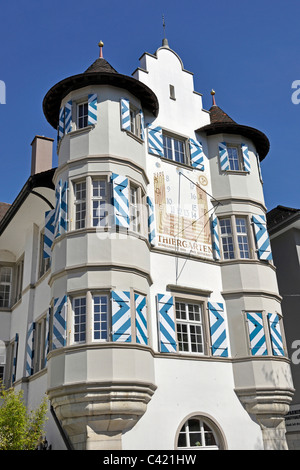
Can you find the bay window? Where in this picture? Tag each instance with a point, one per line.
(234, 237)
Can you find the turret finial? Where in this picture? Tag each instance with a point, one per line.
(213, 97)
(101, 44)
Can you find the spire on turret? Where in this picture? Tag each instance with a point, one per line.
(213, 97)
(164, 41)
(101, 44)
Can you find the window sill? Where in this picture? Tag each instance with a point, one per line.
(236, 172)
(135, 137)
(81, 131)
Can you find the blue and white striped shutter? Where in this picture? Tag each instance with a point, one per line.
(262, 237)
(61, 123)
(223, 154)
(68, 117)
(197, 155)
(15, 358)
(151, 221)
(121, 316)
(215, 237)
(125, 115)
(64, 208)
(166, 320)
(246, 158)
(276, 336)
(155, 141)
(219, 344)
(59, 337)
(141, 319)
(142, 124)
(46, 346)
(30, 349)
(92, 109)
(120, 201)
(57, 214)
(48, 233)
(256, 334)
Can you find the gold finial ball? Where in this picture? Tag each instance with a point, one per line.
(212, 92)
(101, 44)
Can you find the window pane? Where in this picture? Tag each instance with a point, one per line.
(241, 228)
(100, 317)
(99, 203)
(233, 158)
(80, 204)
(227, 239)
(82, 110)
(189, 327)
(79, 307)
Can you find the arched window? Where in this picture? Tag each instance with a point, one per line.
(197, 433)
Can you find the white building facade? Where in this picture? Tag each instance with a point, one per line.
(137, 284)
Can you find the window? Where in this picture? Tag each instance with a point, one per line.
(80, 204)
(99, 203)
(39, 344)
(189, 327)
(19, 280)
(135, 224)
(79, 312)
(100, 311)
(92, 204)
(234, 237)
(197, 434)
(82, 115)
(174, 148)
(172, 92)
(235, 157)
(5, 286)
(44, 263)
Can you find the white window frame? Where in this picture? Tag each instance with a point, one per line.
(80, 202)
(82, 330)
(84, 117)
(239, 157)
(235, 234)
(7, 283)
(100, 321)
(173, 139)
(135, 208)
(39, 344)
(190, 324)
(201, 434)
(100, 199)
(44, 263)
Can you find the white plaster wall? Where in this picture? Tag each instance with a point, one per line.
(188, 387)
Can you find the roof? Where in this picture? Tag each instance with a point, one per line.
(99, 72)
(4, 206)
(222, 123)
(281, 216)
(43, 179)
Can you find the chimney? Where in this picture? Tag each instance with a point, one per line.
(41, 156)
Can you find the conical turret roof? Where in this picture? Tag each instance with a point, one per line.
(220, 123)
(100, 72)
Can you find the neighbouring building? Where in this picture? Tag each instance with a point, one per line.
(284, 229)
(137, 283)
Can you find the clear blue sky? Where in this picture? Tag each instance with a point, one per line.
(248, 51)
